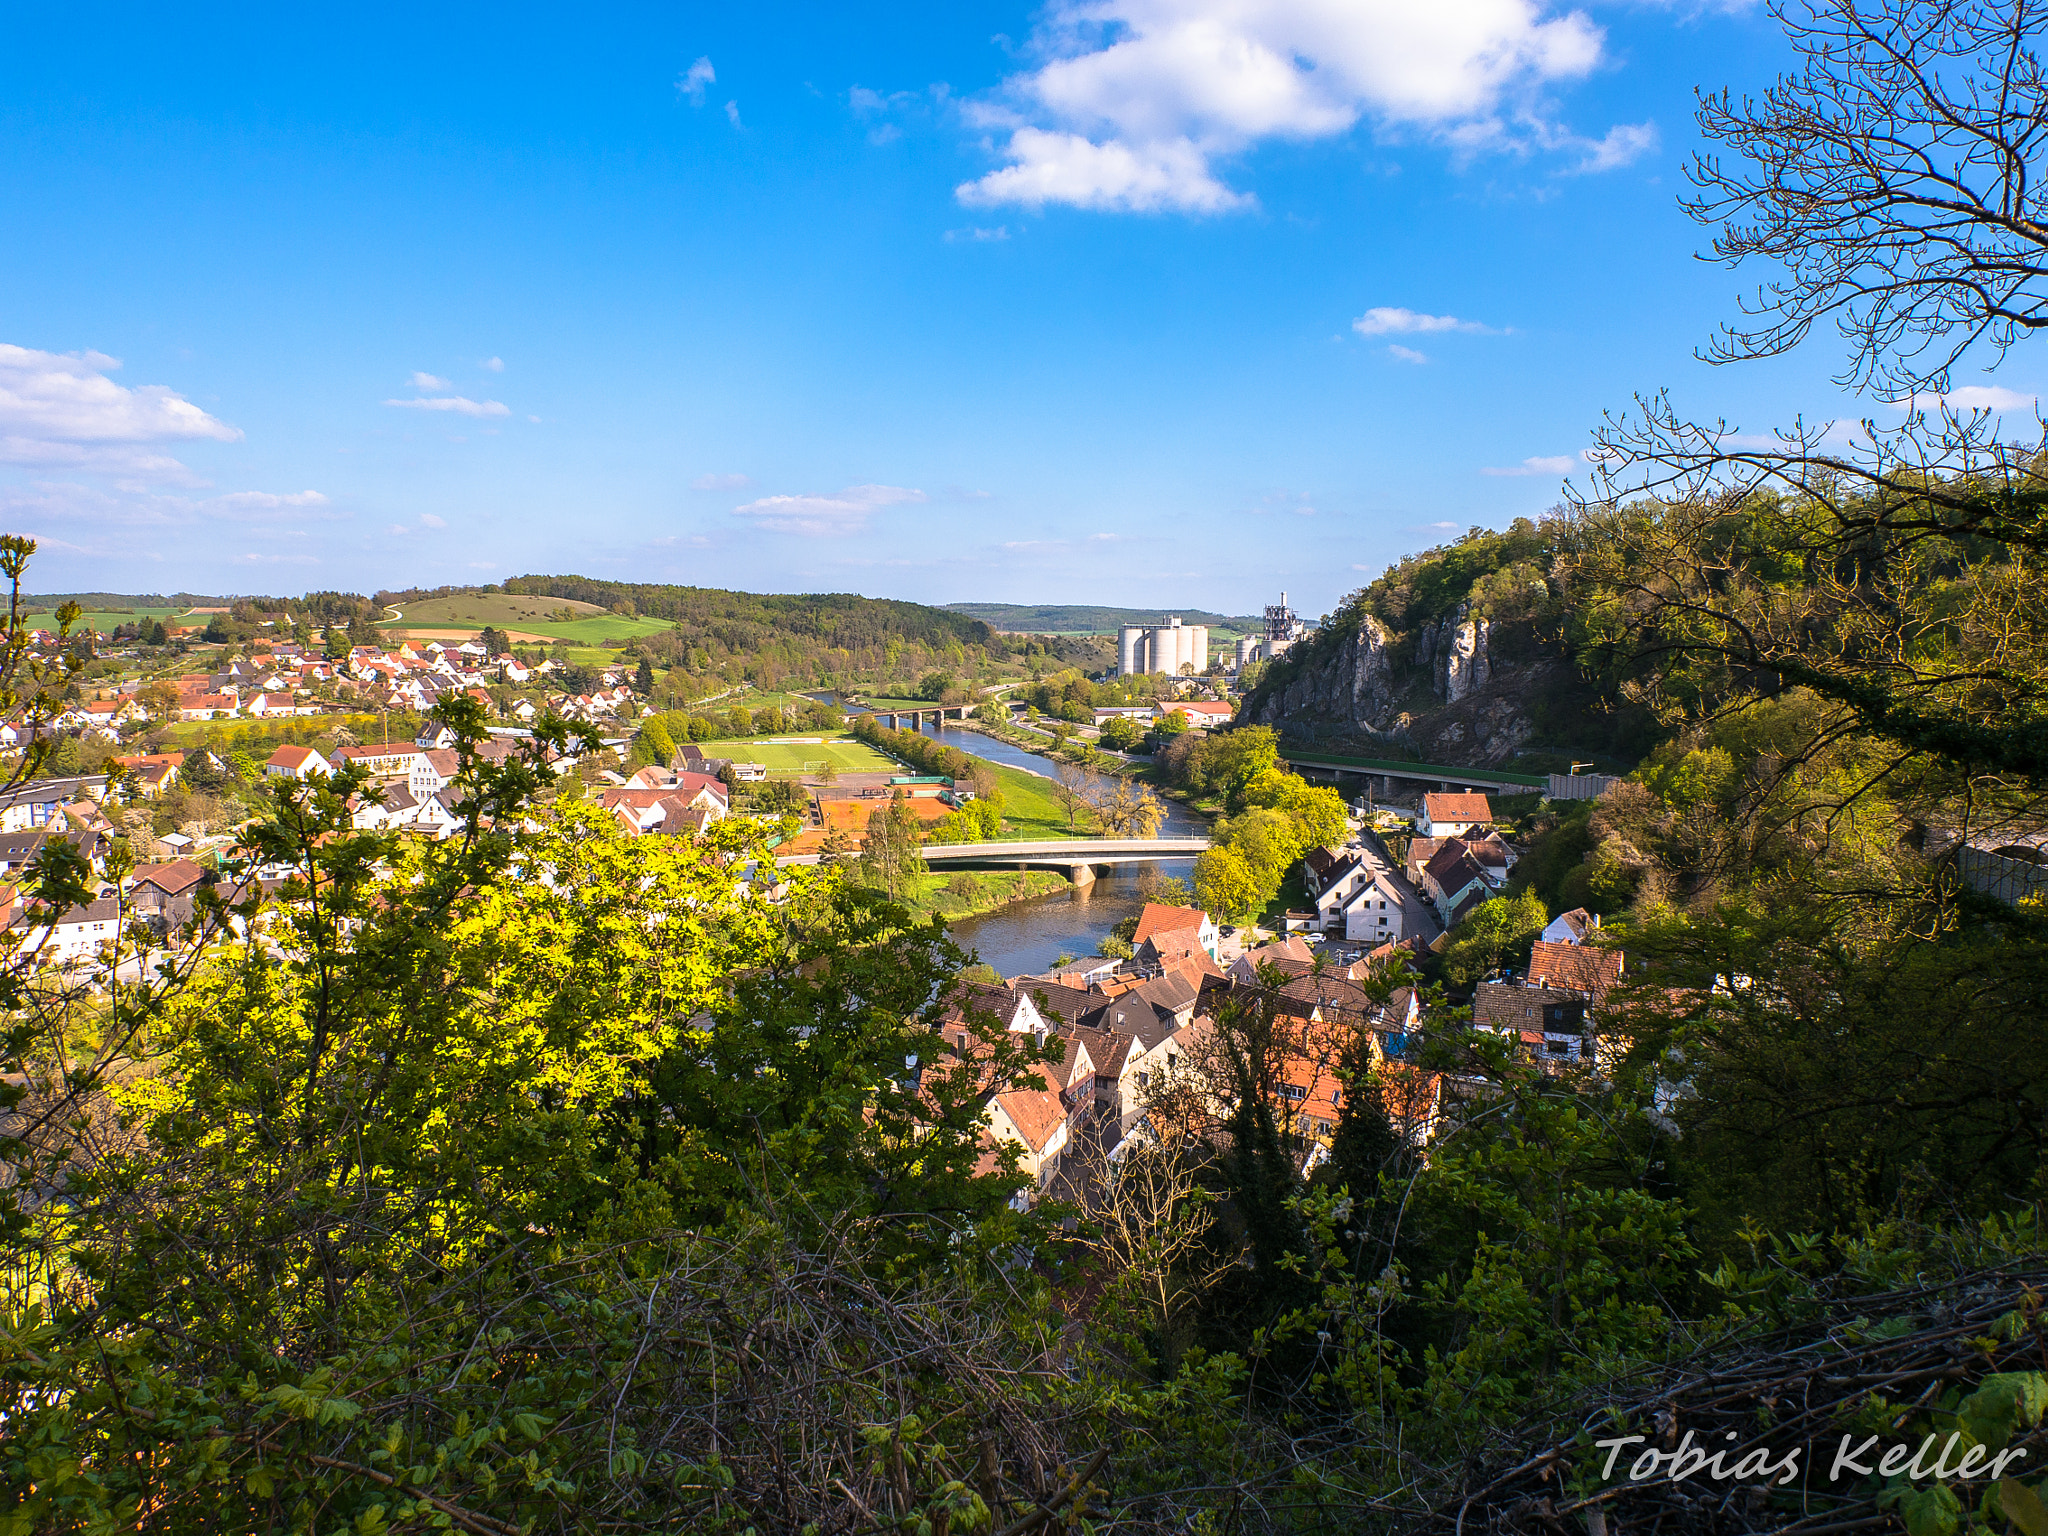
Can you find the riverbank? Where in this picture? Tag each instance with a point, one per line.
(975, 892)
(1184, 817)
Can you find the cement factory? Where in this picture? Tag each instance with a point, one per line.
(1177, 649)
(1182, 650)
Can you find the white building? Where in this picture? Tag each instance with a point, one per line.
(1177, 649)
(63, 938)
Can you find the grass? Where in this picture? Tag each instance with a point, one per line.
(1031, 809)
(1029, 806)
(590, 631)
(843, 752)
(528, 615)
(885, 704)
(749, 699)
(108, 620)
(982, 890)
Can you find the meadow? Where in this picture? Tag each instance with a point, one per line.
(107, 620)
(525, 615)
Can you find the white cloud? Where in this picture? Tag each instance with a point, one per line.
(256, 503)
(489, 365)
(1068, 168)
(1388, 321)
(732, 113)
(1139, 97)
(1972, 397)
(1559, 464)
(691, 82)
(1000, 232)
(61, 410)
(429, 520)
(456, 403)
(277, 559)
(721, 482)
(1623, 144)
(844, 511)
(428, 381)
(132, 508)
(398, 528)
(1406, 354)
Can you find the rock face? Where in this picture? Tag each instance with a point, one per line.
(1450, 698)
(1466, 666)
(1454, 654)
(1358, 686)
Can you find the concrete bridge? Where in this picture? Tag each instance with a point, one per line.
(1078, 857)
(1436, 775)
(896, 719)
(1558, 786)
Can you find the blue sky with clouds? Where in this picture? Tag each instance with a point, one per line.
(1159, 302)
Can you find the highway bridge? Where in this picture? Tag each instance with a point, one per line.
(1078, 857)
(1558, 786)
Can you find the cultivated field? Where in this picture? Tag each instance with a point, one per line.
(443, 618)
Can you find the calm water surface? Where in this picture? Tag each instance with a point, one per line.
(1030, 935)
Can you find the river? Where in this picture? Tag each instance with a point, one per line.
(1029, 935)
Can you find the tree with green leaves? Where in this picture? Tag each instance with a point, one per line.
(433, 1177)
(1226, 886)
(1496, 933)
(891, 860)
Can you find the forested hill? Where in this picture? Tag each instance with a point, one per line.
(745, 621)
(108, 602)
(1085, 619)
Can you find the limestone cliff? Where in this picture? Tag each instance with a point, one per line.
(1446, 692)
(1358, 685)
(1455, 655)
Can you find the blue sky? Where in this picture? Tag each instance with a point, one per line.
(1158, 302)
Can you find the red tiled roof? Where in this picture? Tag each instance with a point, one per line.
(290, 757)
(178, 875)
(1457, 807)
(1574, 968)
(1162, 919)
(1036, 1112)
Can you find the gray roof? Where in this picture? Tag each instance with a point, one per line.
(51, 791)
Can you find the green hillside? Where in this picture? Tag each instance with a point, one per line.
(557, 618)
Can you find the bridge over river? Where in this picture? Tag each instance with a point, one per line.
(1079, 857)
(1557, 786)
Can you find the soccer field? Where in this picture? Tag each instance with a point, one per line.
(782, 756)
